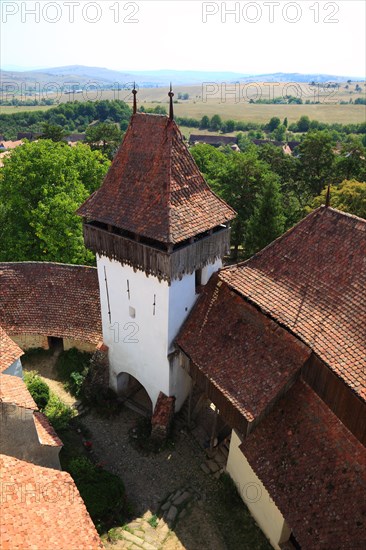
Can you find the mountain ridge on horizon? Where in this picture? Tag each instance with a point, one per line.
(162, 77)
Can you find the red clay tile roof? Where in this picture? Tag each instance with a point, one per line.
(246, 355)
(154, 187)
(314, 469)
(9, 351)
(312, 280)
(13, 390)
(46, 433)
(50, 299)
(42, 509)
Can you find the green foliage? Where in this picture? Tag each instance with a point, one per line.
(268, 220)
(350, 163)
(205, 122)
(316, 158)
(41, 185)
(153, 521)
(72, 367)
(280, 133)
(58, 413)
(71, 361)
(273, 123)
(303, 124)
(102, 492)
(105, 137)
(349, 196)
(55, 132)
(37, 388)
(215, 122)
(72, 116)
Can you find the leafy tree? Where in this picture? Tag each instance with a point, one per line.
(316, 160)
(350, 163)
(205, 122)
(349, 196)
(303, 124)
(280, 133)
(53, 132)
(268, 220)
(216, 122)
(285, 122)
(273, 123)
(238, 182)
(42, 184)
(230, 125)
(105, 137)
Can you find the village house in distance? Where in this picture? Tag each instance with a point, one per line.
(276, 343)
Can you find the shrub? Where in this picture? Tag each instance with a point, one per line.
(71, 361)
(72, 367)
(38, 389)
(58, 413)
(76, 382)
(103, 493)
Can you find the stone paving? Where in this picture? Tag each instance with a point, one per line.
(147, 532)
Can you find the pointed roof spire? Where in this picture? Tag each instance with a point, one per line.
(134, 91)
(171, 95)
(327, 198)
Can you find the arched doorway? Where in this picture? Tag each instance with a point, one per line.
(133, 394)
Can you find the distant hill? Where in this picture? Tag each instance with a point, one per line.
(81, 76)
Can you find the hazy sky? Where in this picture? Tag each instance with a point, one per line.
(259, 37)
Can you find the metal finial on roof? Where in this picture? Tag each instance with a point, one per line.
(171, 95)
(134, 91)
(327, 198)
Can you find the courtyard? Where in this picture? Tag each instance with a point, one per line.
(179, 498)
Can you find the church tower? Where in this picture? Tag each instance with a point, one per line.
(159, 233)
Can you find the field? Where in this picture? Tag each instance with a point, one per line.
(233, 102)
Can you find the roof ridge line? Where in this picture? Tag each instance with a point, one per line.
(281, 237)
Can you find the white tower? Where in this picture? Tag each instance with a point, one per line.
(159, 233)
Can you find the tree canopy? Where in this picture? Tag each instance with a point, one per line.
(41, 185)
(349, 196)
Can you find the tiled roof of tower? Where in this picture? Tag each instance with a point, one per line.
(154, 187)
(9, 351)
(246, 355)
(312, 280)
(314, 470)
(50, 299)
(42, 508)
(13, 390)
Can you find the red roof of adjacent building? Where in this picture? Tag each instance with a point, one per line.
(314, 470)
(50, 299)
(312, 280)
(9, 351)
(246, 355)
(41, 508)
(46, 433)
(154, 187)
(13, 390)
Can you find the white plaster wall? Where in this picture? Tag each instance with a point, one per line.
(140, 345)
(137, 345)
(209, 270)
(256, 496)
(182, 297)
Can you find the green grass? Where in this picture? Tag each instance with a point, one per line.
(9, 109)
